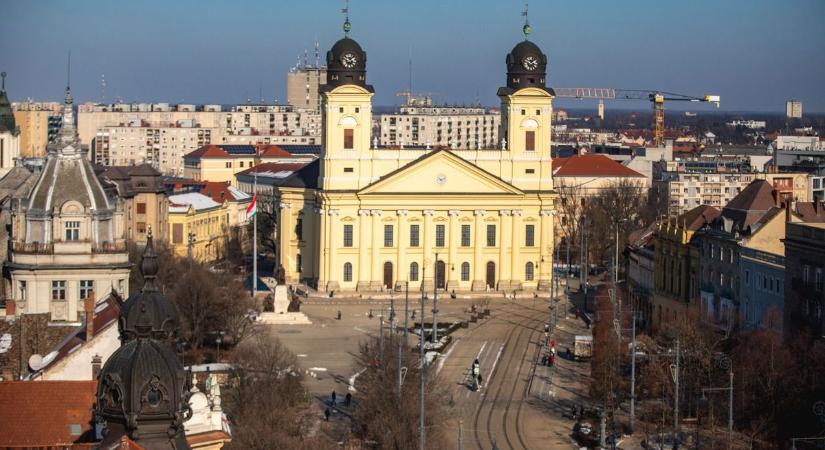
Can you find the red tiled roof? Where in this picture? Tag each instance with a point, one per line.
(208, 151)
(811, 211)
(697, 217)
(272, 151)
(46, 413)
(218, 190)
(591, 166)
(273, 168)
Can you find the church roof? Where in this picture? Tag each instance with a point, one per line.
(306, 177)
(46, 414)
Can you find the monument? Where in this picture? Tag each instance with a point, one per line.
(280, 314)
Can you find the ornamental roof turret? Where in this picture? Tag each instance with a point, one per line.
(143, 390)
(7, 123)
(148, 313)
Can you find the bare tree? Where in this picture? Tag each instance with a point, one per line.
(392, 422)
(616, 205)
(267, 402)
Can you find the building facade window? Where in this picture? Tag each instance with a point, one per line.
(388, 238)
(141, 208)
(439, 235)
(348, 235)
(347, 271)
(298, 263)
(465, 271)
(465, 235)
(530, 235)
(414, 271)
(414, 234)
(818, 279)
(528, 271)
(491, 235)
(59, 290)
(349, 138)
(72, 231)
(530, 140)
(87, 287)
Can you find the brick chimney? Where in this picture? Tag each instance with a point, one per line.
(89, 306)
(11, 307)
(96, 363)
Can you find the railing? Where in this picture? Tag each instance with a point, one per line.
(109, 247)
(38, 248)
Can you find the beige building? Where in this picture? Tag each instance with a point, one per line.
(365, 218)
(222, 162)
(37, 122)
(145, 204)
(440, 127)
(689, 190)
(793, 109)
(302, 86)
(68, 236)
(160, 134)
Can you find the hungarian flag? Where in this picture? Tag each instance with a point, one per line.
(252, 209)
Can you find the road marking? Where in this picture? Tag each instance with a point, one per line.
(352, 380)
(318, 369)
(301, 355)
(361, 330)
(444, 358)
(481, 350)
(498, 356)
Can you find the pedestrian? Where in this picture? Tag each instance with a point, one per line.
(332, 399)
(348, 399)
(326, 414)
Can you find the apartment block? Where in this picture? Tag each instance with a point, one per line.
(440, 126)
(38, 123)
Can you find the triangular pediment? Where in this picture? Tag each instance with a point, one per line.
(441, 172)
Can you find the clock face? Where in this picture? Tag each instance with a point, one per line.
(530, 63)
(349, 60)
(441, 179)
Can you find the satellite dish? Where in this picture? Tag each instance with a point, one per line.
(35, 362)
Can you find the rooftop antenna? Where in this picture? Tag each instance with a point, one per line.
(306, 63)
(3, 75)
(261, 92)
(347, 24)
(69, 71)
(317, 54)
(526, 28)
(103, 86)
(411, 71)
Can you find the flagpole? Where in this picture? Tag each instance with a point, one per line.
(255, 232)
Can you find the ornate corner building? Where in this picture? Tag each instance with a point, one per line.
(67, 235)
(368, 219)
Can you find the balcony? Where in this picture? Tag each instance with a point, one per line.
(33, 248)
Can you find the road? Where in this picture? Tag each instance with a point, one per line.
(510, 411)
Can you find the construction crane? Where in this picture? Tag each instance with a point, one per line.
(656, 98)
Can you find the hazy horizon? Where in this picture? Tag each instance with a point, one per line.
(754, 54)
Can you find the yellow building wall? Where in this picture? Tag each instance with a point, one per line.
(371, 189)
(209, 227)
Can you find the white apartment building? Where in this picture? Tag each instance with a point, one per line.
(793, 109)
(752, 124)
(786, 142)
(687, 190)
(440, 126)
(160, 134)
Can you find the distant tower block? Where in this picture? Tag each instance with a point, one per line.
(601, 109)
(793, 109)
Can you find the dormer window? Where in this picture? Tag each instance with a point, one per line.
(72, 231)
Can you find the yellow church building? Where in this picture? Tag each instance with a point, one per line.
(362, 218)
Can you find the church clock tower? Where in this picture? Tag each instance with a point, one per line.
(346, 116)
(526, 112)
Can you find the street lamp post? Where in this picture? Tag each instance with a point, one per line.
(730, 404)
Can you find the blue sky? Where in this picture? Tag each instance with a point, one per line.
(754, 53)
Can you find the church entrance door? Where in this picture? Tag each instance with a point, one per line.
(388, 275)
(491, 275)
(441, 274)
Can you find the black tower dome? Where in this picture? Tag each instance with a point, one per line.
(346, 62)
(526, 66)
